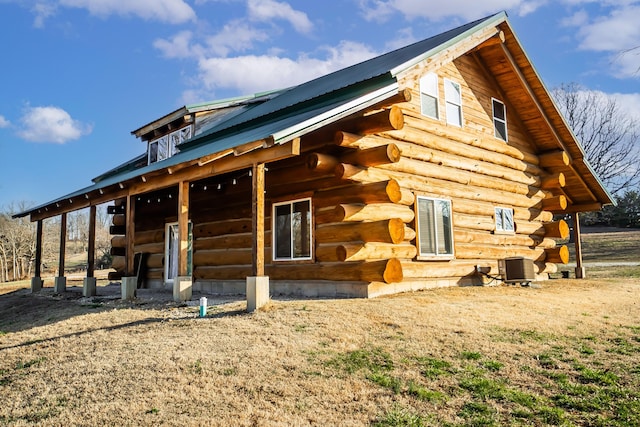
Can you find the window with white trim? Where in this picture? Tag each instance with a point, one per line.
(435, 227)
(168, 145)
(429, 95)
(499, 119)
(292, 230)
(453, 101)
(504, 220)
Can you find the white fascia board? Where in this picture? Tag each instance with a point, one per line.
(335, 114)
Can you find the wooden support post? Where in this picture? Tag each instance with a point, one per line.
(183, 227)
(91, 245)
(63, 244)
(580, 270)
(89, 282)
(257, 219)
(38, 265)
(257, 284)
(183, 282)
(60, 281)
(129, 234)
(36, 280)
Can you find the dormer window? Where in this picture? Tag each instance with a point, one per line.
(168, 145)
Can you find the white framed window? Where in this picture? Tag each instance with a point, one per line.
(429, 95)
(504, 220)
(453, 101)
(499, 119)
(168, 145)
(292, 230)
(435, 227)
(172, 249)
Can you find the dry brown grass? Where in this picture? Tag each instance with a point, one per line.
(322, 362)
(563, 352)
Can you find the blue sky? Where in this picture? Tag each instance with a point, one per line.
(78, 76)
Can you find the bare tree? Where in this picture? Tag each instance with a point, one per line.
(608, 135)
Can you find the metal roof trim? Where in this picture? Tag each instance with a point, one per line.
(494, 20)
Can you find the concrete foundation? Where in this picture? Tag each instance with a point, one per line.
(257, 292)
(89, 287)
(59, 285)
(36, 284)
(182, 288)
(581, 273)
(129, 286)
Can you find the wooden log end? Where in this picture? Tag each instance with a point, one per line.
(394, 191)
(396, 230)
(559, 254)
(396, 118)
(393, 271)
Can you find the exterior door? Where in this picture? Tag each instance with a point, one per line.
(172, 247)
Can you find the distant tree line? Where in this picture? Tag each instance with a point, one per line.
(18, 241)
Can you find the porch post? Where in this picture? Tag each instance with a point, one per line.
(89, 285)
(130, 281)
(36, 281)
(258, 283)
(580, 270)
(182, 284)
(60, 282)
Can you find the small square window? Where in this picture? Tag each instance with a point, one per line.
(504, 220)
(453, 100)
(499, 119)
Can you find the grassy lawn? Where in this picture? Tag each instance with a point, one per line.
(563, 352)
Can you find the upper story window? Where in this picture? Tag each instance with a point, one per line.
(435, 227)
(167, 145)
(453, 100)
(504, 220)
(292, 230)
(429, 95)
(499, 119)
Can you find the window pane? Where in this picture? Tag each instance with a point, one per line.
(501, 129)
(429, 84)
(454, 115)
(301, 229)
(430, 106)
(426, 227)
(452, 92)
(499, 222)
(153, 152)
(443, 229)
(507, 220)
(174, 140)
(283, 231)
(163, 148)
(498, 110)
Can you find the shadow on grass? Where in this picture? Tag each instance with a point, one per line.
(22, 310)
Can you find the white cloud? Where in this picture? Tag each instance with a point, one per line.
(617, 34)
(266, 10)
(42, 10)
(178, 46)
(383, 9)
(171, 11)
(4, 123)
(253, 73)
(235, 36)
(51, 124)
(629, 103)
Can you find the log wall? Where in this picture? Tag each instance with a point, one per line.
(363, 178)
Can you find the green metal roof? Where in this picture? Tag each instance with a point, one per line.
(297, 110)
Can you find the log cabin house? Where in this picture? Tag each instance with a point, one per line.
(432, 165)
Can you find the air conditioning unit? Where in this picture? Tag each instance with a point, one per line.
(518, 270)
